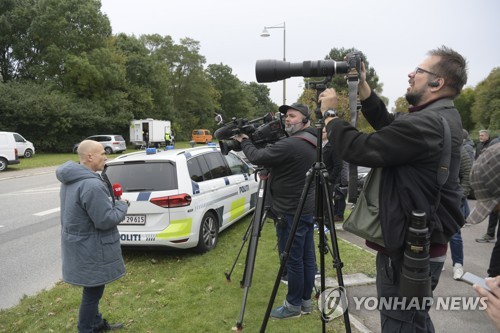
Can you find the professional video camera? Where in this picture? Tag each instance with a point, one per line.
(275, 70)
(415, 277)
(261, 131)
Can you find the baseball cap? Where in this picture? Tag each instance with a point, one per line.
(302, 108)
(485, 181)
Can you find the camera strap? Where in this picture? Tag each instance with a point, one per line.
(306, 136)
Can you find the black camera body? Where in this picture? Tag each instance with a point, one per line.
(415, 274)
(261, 131)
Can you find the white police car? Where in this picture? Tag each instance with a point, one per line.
(182, 198)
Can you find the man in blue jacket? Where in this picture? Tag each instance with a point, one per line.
(408, 147)
(90, 242)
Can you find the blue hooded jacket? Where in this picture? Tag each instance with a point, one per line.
(90, 242)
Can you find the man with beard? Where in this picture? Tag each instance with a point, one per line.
(408, 147)
(289, 160)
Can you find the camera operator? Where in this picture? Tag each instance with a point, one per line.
(290, 159)
(408, 148)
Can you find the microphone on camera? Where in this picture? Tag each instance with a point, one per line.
(117, 190)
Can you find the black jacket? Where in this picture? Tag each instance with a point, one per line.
(408, 147)
(333, 164)
(289, 160)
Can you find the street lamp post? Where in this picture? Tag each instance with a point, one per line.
(265, 33)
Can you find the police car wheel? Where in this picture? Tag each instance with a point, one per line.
(209, 233)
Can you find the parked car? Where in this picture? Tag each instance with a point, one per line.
(8, 150)
(362, 173)
(182, 198)
(111, 143)
(201, 136)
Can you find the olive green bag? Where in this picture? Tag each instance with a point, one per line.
(364, 220)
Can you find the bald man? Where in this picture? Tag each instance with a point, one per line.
(90, 242)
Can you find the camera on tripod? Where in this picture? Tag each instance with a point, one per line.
(261, 131)
(275, 70)
(416, 277)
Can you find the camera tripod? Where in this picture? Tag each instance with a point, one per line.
(323, 194)
(254, 229)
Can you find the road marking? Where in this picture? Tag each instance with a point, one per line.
(47, 212)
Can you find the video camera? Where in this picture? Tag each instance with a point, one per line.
(275, 70)
(261, 131)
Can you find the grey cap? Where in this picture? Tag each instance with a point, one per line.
(302, 108)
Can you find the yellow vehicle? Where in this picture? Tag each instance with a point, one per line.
(201, 136)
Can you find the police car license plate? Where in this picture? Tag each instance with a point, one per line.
(134, 219)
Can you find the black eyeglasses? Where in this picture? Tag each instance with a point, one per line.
(419, 70)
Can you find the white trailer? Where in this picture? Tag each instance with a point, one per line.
(149, 132)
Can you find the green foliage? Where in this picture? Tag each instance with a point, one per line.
(401, 105)
(486, 108)
(464, 103)
(90, 81)
(53, 121)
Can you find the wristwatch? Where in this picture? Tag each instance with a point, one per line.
(330, 113)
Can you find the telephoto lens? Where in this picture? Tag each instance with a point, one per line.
(415, 275)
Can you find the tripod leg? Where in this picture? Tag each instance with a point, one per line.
(295, 223)
(259, 217)
(245, 238)
(337, 262)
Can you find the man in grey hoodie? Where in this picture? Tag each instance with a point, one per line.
(90, 242)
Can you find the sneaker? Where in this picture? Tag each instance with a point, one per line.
(109, 327)
(458, 271)
(485, 239)
(306, 307)
(284, 279)
(284, 312)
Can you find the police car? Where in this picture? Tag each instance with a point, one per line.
(182, 198)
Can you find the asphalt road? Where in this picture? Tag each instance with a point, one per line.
(476, 260)
(30, 256)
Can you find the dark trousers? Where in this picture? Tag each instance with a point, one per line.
(388, 280)
(89, 318)
(494, 268)
(456, 242)
(492, 224)
(338, 201)
(301, 258)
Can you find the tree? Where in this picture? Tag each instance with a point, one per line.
(15, 20)
(51, 119)
(309, 96)
(464, 103)
(401, 105)
(486, 108)
(61, 28)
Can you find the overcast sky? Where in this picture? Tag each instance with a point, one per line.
(395, 35)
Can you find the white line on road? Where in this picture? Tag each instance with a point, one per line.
(47, 212)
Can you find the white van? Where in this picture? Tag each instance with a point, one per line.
(24, 147)
(8, 150)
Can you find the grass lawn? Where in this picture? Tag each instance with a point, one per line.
(181, 291)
